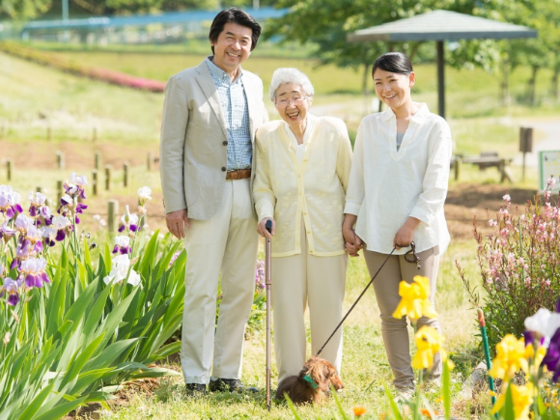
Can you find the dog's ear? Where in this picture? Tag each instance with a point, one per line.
(316, 370)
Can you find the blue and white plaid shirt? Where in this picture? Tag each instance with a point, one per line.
(236, 113)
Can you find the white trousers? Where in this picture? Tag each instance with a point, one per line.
(298, 281)
(227, 244)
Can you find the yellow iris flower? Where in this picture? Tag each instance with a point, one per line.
(512, 355)
(428, 342)
(522, 397)
(415, 301)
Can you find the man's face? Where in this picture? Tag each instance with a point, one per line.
(232, 47)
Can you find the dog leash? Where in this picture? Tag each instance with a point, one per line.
(357, 300)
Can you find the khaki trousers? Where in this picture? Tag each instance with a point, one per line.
(227, 244)
(298, 281)
(394, 331)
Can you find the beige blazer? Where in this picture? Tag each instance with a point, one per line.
(193, 148)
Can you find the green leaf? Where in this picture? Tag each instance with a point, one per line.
(78, 362)
(61, 410)
(36, 404)
(392, 404)
(110, 353)
(508, 409)
(446, 390)
(96, 313)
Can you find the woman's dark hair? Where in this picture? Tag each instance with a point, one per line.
(234, 15)
(394, 62)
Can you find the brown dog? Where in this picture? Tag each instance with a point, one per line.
(312, 383)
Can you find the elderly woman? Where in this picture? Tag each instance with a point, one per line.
(303, 166)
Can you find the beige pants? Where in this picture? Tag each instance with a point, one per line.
(298, 281)
(394, 331)
(226, 244)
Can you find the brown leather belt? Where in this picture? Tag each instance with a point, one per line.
(238, 174)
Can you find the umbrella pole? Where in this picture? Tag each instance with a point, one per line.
(268, 283)
(482, 324)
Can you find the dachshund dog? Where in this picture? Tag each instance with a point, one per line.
(312, 384)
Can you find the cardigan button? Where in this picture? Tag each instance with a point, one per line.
(225, 143)
(224, 169)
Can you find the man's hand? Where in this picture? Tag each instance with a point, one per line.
(176, 222)
(261, 228)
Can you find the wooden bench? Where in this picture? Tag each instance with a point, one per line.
(491, 159)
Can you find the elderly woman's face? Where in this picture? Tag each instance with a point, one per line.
(291, 103)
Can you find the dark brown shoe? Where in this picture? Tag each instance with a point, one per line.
(193, 389)
(231, 385)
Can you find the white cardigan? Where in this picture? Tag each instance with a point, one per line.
(387, 186)
(313, 190)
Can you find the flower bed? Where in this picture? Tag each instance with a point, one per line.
(104, 75)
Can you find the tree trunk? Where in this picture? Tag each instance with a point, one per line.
(531, 86)
(365, 92)
(555, 92)
(506, 99)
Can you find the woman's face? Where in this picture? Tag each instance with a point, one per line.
(393, 88)
(292, 103)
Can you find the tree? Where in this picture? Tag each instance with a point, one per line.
(327, 22)
(24, 9)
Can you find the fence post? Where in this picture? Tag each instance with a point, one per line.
(59, 189)
(125, 174)
(107, 177)
(94, 182)
(59, 159)
(9, 169)
(97, 159)
(149, 161)
(112, 212)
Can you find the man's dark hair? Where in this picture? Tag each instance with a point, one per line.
(234, 15)
(393, 62)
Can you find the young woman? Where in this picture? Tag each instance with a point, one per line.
(395, 196)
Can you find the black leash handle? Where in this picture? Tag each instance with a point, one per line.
(354, 304)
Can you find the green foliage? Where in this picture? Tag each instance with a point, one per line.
(71, 338)
(24, 9)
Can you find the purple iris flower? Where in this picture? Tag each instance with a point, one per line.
(80, 207)
(13, 299)
(557, 306)
(552, 358)
(60, 235)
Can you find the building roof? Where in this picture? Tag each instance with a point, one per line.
(441, 25)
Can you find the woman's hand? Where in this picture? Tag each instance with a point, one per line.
(261, 228)
(405, 235)
(352, 242)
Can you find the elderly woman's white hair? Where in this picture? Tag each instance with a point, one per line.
(285, 75)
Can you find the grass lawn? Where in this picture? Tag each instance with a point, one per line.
(364, 371)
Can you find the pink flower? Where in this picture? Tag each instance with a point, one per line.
(492, 223)
(507, 198)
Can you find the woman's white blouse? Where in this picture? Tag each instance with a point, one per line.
(387, 186)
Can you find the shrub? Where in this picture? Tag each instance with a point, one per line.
(519, 263)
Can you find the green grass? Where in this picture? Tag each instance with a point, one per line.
(364, 370)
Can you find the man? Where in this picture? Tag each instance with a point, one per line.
(210, 116)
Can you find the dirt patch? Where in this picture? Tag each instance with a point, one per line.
(467, 201)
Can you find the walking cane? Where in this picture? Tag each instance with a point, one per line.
(268, 283)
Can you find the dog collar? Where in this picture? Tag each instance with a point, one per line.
(307, 378)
